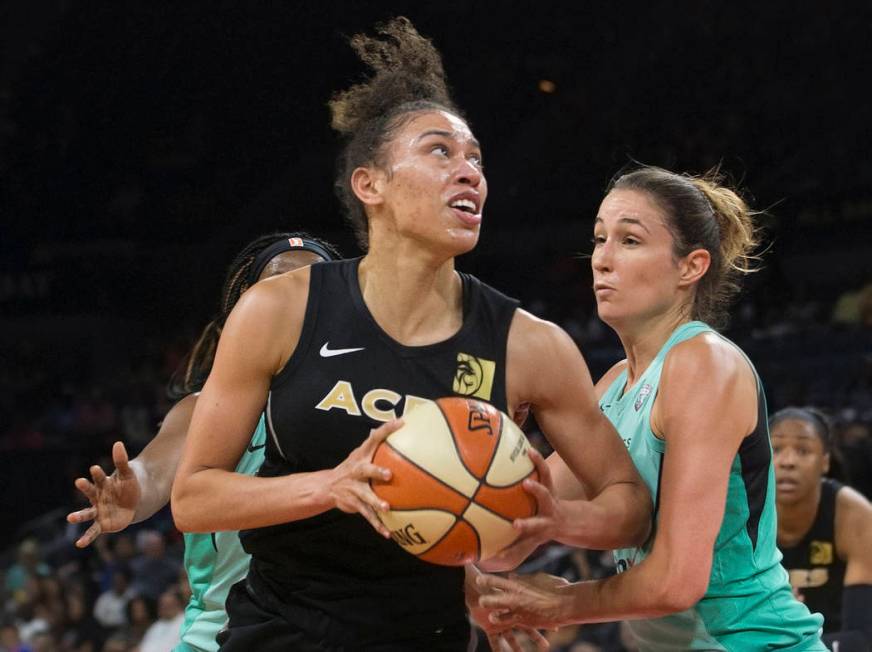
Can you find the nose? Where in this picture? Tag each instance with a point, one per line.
(601, 259)
(785, 459)
(468, 174)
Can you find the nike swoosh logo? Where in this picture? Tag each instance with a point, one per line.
(251, 448)
(327, 352)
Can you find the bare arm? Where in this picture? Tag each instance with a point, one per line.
(208, 495)
(854, 535)
(137, 488)
(705, 407)
(562, 397)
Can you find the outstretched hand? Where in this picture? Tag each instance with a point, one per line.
(113, 498)
(537, 601)
(536, 530)
(349, 488)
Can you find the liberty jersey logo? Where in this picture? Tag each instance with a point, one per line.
(474, 376)
(644, 392)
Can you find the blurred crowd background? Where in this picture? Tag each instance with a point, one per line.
(142, 144)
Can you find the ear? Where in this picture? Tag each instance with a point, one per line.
(367, 184)
(693, 266)
(826, 465)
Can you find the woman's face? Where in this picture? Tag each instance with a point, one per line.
(635, 273)
(799, 459)
(432, 189)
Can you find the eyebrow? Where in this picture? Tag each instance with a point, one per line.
(447, 134)
(626, 220)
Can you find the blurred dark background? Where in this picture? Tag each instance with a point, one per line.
(142, 144)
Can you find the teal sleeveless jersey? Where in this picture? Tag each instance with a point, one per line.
(215, 562)
(749, 604)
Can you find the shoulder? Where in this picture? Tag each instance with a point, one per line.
(707, 354)
(853, 521)
(707, 379)
(535, 333)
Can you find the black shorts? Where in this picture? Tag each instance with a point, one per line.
(257, 621)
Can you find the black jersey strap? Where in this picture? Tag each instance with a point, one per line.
(856, 634)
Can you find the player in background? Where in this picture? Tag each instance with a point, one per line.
(824, 529)
(140, 487)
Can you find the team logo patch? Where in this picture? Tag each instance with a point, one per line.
(644, 392)
(820, 552)
(474, 376)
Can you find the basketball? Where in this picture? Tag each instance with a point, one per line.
(457, 467)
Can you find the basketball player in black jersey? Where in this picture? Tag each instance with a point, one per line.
(824, 529)
(337, 349)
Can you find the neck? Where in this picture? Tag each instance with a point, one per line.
(644, 340)
(414, 297)
(795, 519)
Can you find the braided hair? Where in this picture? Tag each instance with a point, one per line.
(192, 372)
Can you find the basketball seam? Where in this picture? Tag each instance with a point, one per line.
(493, 452)
(508, 486)
(457, 519)
(487, 509)
(480, 479)
(426, 472)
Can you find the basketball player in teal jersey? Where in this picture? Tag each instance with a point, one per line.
(332, 350)
(668, 251)
(140, 487)
(824, 529)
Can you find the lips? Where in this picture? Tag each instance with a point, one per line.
(466, 206)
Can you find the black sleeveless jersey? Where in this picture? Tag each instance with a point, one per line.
(814, 564)
(345, 377)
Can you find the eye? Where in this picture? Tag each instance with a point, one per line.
(630, 240)
(440, 149)
(475, 159)
(598, 240)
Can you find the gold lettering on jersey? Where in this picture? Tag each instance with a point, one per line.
(808, 578)
(474, 376)
(340, 397)
(820, 552)
(371, 408)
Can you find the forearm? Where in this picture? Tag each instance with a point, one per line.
(632, 595)
(619, 517)
(154, 487)
(215, 499)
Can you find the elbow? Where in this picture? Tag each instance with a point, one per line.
(682, 593)
(643, 518)
(184, 514)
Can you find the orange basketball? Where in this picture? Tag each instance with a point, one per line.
(457, 466)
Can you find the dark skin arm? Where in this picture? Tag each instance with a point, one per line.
(137, 488)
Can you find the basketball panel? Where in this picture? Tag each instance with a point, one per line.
(509, 502)
(410, 487)
(494, 532)
(475, 426)
(426, 440)
(512, 462)
(417, 530)
(459, 547)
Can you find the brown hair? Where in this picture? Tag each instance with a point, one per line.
(703, 213)
(407, 78)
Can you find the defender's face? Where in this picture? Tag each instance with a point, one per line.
(635, 273)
